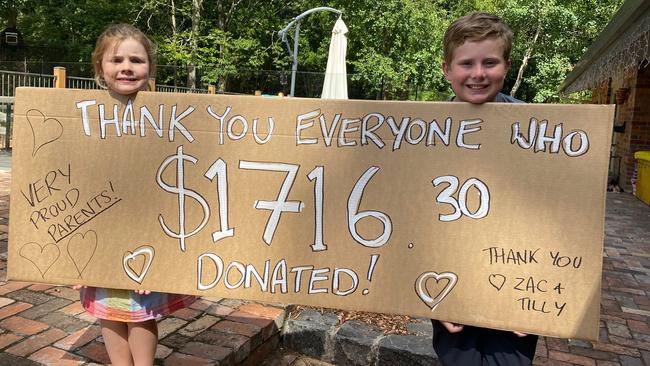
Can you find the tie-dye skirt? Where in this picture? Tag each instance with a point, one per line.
(129, 306)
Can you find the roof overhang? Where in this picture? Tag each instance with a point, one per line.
(630, 13)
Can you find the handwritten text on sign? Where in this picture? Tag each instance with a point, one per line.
(489, 215)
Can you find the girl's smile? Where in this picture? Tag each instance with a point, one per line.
(125, 67)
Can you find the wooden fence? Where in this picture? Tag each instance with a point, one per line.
(6, 111)
(10, 80)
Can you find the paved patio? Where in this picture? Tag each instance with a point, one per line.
(44, 324)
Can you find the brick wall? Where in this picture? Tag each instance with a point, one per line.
(640, 134)
(602, 93)
(626, 115)
(635, 113)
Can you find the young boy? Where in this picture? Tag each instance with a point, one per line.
(476, 61)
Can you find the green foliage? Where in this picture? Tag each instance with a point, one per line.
(567, 29)
(219, 54)
(394, 46)
(69, 28)
(548, 77)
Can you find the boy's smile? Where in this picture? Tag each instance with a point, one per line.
(477, 70)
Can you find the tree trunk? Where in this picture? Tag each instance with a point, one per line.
(224, 15)
(196, 20)
(173, 15)
(524, 62)
(12, 18)
(222, 84)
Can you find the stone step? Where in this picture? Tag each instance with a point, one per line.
(356, 343)
(223, 332)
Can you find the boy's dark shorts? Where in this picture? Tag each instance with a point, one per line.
(482, 346)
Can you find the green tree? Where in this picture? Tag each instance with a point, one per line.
(550, 37)
(393, 46)
(401, 48)
(69, 27)
(220, 38)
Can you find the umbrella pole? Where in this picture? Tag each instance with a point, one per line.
(294, 66)
(283, 34)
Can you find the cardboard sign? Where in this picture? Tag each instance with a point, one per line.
(488, 215)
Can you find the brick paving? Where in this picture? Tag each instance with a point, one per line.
(625, 302)
(45, 324)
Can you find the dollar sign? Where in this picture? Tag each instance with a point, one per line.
(181, 191)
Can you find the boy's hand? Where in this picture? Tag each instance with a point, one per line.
(519, 334)
(78, 287)
(142, 292)
(452, 327)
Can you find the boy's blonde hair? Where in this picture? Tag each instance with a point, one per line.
(476, 27)
(118, 33)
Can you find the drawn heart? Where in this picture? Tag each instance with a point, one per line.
(81, 249)
(44, 130)
(132, 259)
(497, 281)
(42, 257)
(441, 291)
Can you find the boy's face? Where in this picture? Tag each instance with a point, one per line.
(477, 70)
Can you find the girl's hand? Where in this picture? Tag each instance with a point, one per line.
(452, 327)
(519, 334)
(78, 287)
(142, 292)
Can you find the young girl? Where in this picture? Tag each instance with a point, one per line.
(124, 59)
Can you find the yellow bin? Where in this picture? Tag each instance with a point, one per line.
(643, 175)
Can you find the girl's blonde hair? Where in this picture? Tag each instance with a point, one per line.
(118, 33)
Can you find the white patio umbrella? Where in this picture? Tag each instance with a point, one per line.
(336, 82)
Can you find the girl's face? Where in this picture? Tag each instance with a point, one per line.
(125, 67)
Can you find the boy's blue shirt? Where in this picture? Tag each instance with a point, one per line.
(504, 98)
(500, 98)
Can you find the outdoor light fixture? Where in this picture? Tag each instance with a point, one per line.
(11, 38)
